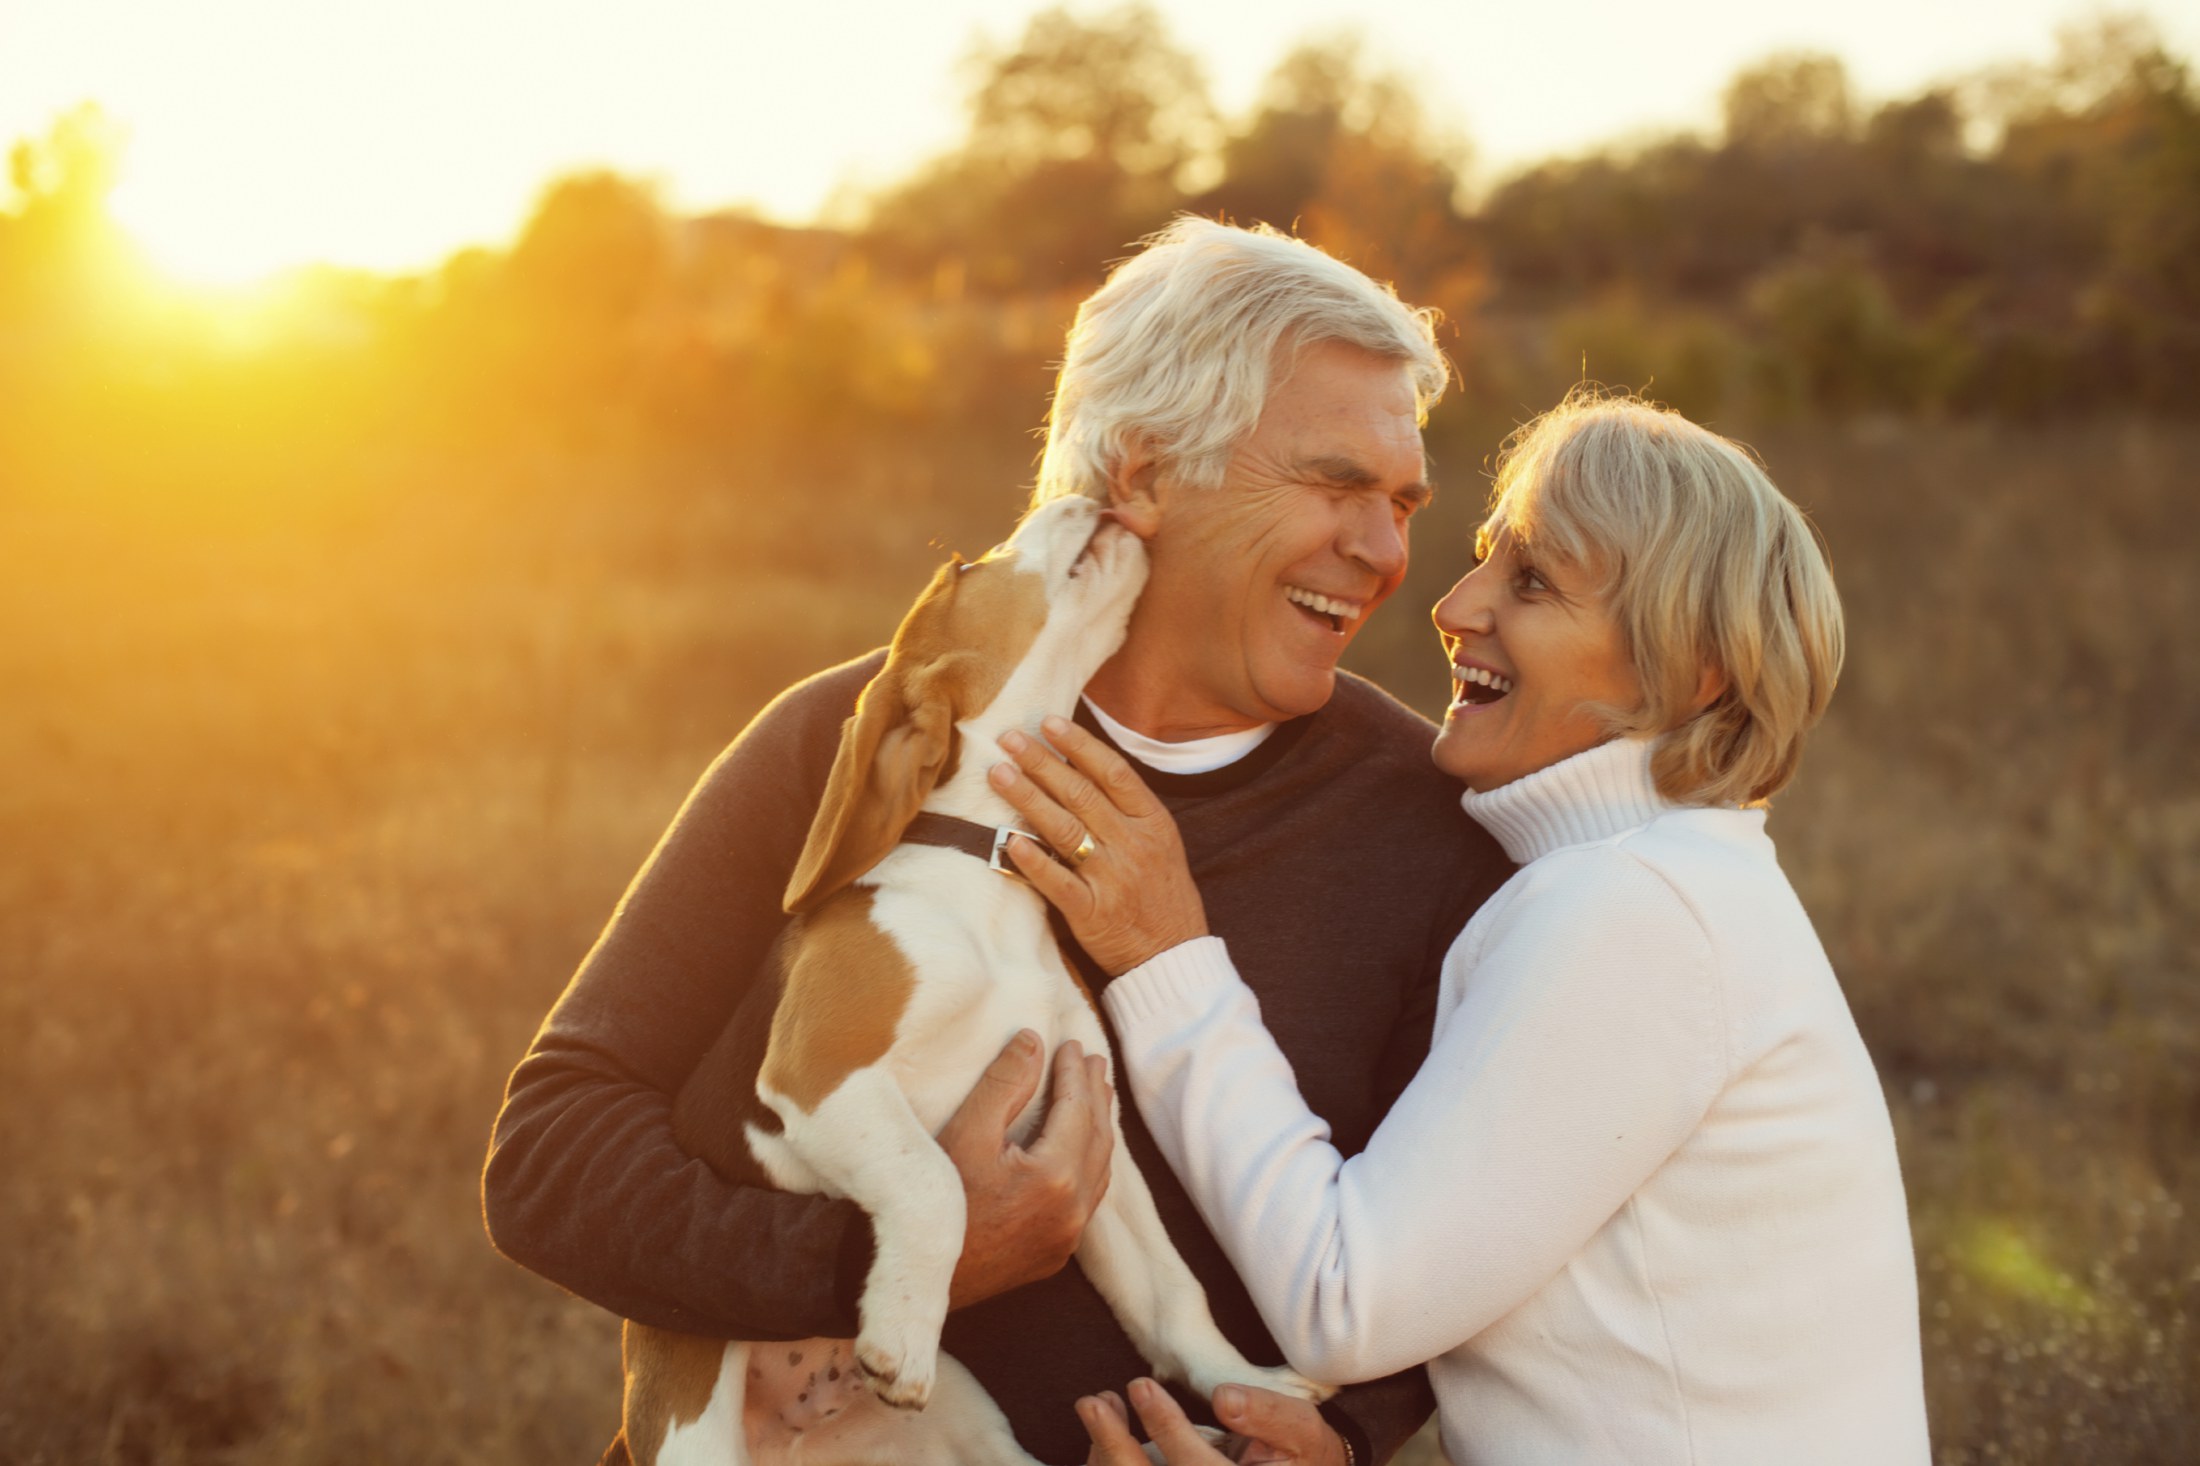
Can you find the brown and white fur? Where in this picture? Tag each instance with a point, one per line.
(906, 970)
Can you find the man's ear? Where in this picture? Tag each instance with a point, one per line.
(1133, 492)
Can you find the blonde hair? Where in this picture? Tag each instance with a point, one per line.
(1181, 345)
(1705, 565)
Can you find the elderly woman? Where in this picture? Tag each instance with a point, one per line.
(1641, 1202)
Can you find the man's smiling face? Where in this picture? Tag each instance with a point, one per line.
(1260, 583)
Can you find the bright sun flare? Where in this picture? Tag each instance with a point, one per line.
(262, 135)
(230, 210)
(191, 240)
(220, 232)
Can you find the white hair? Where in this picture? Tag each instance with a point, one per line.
(1178, 350)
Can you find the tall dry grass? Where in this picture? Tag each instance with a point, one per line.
(317, 799)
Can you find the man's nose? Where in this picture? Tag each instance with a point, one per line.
(1376, 538)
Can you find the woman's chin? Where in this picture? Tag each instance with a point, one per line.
(1455, 754)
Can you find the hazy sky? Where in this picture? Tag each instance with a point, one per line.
(268, 132)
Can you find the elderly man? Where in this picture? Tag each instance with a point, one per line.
(1251, 408)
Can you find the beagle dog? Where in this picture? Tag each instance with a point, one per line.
(915, 954)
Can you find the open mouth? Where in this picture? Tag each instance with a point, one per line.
(1479, 686)
(1330, 612)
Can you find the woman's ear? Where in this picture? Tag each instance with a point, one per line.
(1133, 497)
(1711, 685)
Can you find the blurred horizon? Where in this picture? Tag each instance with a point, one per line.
(258, 139)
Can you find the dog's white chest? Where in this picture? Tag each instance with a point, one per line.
(987, 964)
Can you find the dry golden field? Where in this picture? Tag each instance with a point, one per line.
(316, 798)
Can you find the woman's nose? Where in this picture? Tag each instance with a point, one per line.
(1463, 609)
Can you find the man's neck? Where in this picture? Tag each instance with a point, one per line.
(1159, 706)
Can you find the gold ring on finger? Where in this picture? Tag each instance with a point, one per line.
(1084, 850)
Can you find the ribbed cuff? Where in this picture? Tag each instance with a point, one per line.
(1180, 983)
(1359, 1450)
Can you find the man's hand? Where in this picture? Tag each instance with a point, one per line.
(1276, 1430)
(1027, 1206)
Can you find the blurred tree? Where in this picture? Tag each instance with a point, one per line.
(1115, 88)
(1651, 219)
(1082, 138)
(1834, 340)
(1796, 99)
(1919, 131)
(596, 249)
(65, 266)
(1346, 153)
(2096, 299)
(2109, 131)
(563, 318)
(2021, 241)
(2155, 234)
(1935, 213)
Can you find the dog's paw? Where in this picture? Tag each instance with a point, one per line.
(1291, 1382)
(1282, 1380)
(897, 1376)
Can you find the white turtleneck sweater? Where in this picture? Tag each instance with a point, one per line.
(1639, 1205)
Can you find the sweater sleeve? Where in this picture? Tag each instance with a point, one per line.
(1581, 1040)
(586, 1182)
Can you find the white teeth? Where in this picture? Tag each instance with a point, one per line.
(1319, 604)
(1482, 677)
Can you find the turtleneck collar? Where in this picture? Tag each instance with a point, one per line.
(1596, 794)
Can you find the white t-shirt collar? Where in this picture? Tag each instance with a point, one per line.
(1193, 756)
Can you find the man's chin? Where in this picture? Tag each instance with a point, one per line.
(1305, 690)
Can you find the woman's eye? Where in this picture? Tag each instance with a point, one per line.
(1527, 577)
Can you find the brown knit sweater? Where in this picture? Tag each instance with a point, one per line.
(1334, 858)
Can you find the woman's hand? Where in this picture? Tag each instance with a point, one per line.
(1272, 1429)
(1129, 896)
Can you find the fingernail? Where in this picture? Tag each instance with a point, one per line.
(1002, 774)
(1014, 741)
(1055, 723)
(1026, 1041)
(1142, 1392)
(1229, 1400)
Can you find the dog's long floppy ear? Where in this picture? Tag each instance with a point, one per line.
(893, 752)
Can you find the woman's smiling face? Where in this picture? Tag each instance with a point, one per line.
(1534, 650)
